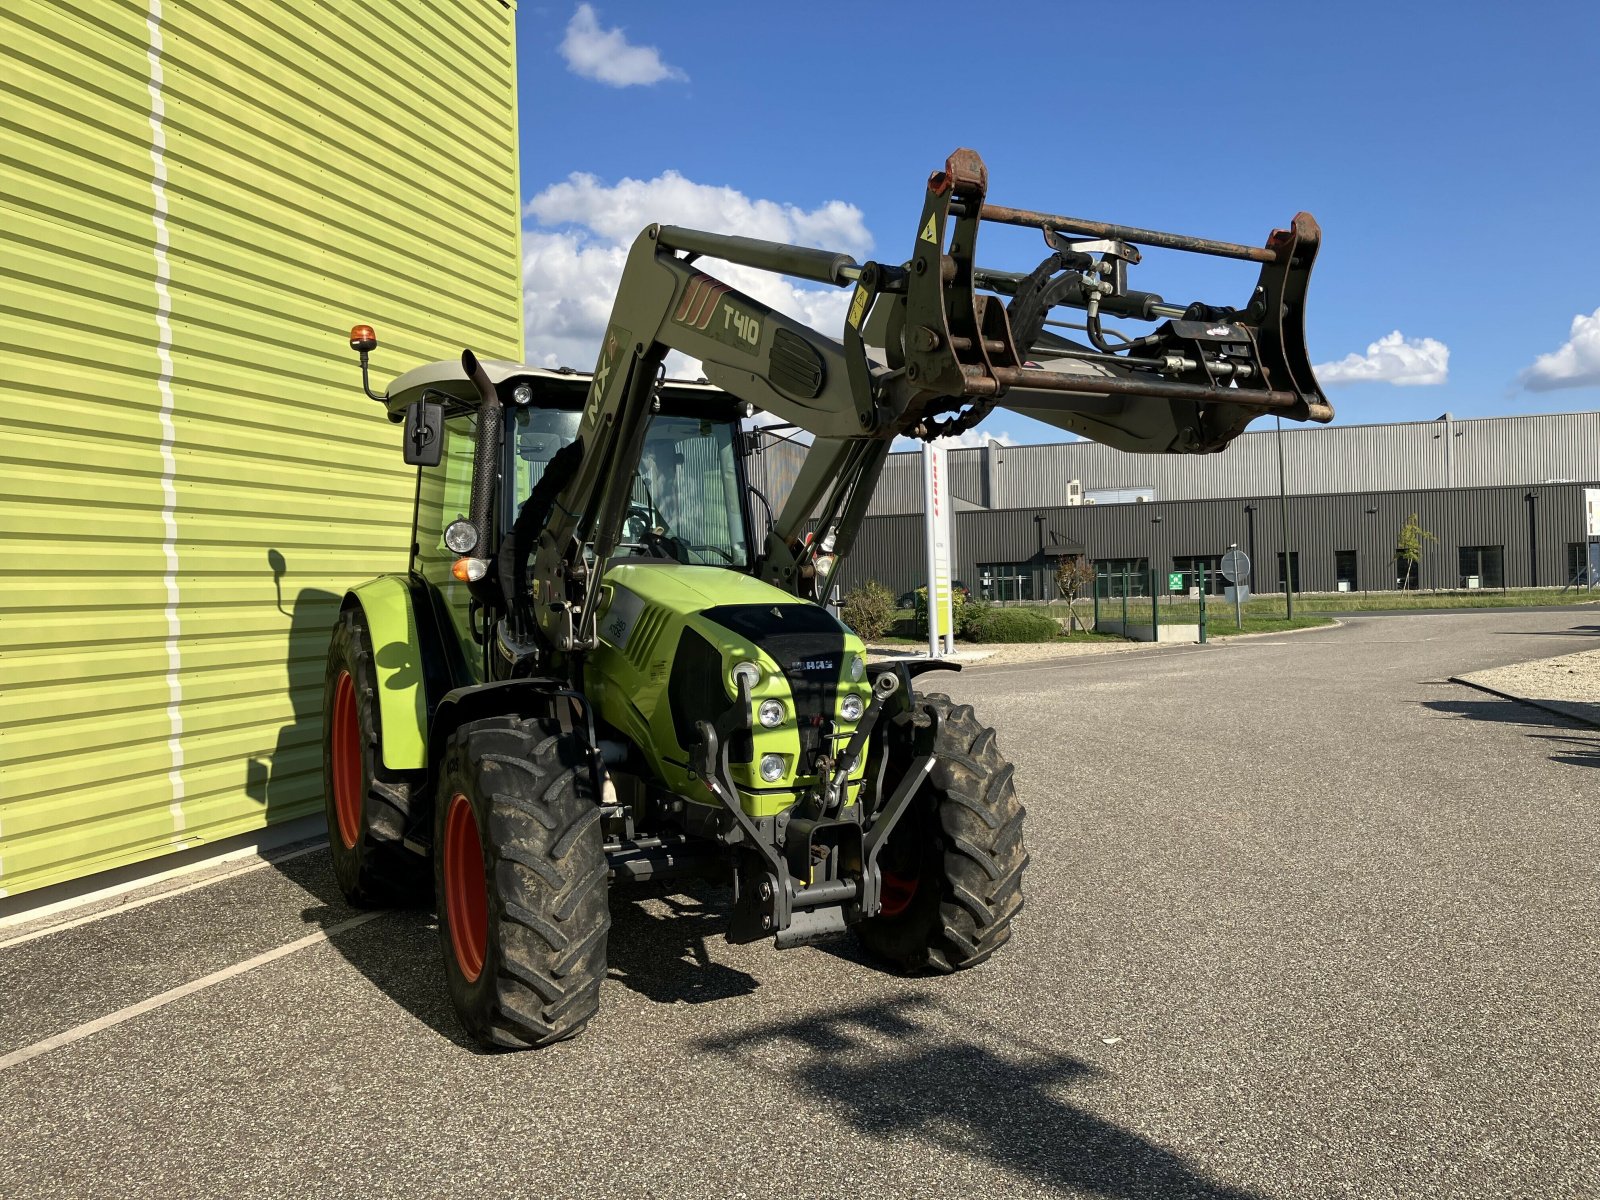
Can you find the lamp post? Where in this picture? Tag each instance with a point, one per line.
(1283, 521)
(1371, 512)
(1250, 538)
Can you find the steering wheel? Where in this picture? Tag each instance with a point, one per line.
(639, 528)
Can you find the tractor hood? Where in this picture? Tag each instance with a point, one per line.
(670, 637)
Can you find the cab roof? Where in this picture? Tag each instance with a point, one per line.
(448, 377)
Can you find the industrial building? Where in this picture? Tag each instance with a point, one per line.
(199, 200)
(1502, 497)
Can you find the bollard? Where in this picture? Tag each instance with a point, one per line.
(1203, 583)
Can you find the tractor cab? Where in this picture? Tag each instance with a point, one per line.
(688, 502)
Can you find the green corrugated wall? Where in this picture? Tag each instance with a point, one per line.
(198, 198)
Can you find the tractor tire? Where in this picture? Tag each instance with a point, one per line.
(952, 868)
(367, 804)
(521, 877)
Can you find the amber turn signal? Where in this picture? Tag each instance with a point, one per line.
(469, 570)
(363, 338)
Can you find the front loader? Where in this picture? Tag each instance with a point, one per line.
(607, 661)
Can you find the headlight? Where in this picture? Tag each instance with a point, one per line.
(858, 668)
(771, 767)
(522, 394)
(747, 671)
(852, 708)
(461, 536)
(771, 713)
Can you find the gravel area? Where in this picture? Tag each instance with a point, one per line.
(1568, 684)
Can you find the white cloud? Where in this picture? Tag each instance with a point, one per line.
(1394, 359)
(970, 440)
(619, 211)
(574, 255)
(1576, 364)
(606, 55)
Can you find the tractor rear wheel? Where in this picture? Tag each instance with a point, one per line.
(952, 868)
(367, 804)
(521, 878)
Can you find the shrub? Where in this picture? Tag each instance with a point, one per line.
(1014, 625)
(868, 609)
(968, 614)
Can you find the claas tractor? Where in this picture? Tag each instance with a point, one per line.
(608, 660)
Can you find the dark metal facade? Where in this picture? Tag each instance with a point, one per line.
(1409, 455)
(1531, 525)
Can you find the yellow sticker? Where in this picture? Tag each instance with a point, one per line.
(930, 232)
(858, 307)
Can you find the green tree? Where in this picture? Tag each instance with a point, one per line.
(1408, 550)
(1074, 576)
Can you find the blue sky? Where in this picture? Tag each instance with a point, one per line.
(1449, 151)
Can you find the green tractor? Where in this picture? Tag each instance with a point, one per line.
(608, 660)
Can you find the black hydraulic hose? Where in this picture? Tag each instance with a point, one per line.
(486, 454)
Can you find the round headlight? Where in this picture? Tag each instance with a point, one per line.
(771, 767)
(852, 708)
(461, 536)
(747, 671)
(771, 713)
(858, 668)
(522, 394)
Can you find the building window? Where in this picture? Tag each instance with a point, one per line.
(1578, 565)
(1344, 571)
(1005, 581)
(1294, 567)
(1481, 567)
(1121, 576)
(1195, 566)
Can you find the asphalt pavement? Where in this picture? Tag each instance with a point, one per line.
(1303, 919)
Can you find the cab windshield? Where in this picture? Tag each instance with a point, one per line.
(685, 503)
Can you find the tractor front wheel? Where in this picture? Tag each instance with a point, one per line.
(521, 879)
(952, 868)
(367, 804)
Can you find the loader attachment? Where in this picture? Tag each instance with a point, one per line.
(1190, 385)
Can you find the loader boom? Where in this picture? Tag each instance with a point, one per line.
(947, 349)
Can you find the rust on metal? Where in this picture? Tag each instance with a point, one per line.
(1128, 233)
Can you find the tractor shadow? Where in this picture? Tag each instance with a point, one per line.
(905, 1068)
(657, 945)
(1577, 740)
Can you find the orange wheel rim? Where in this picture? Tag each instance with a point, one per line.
(895, 893)
(346, 734)
(466, 893)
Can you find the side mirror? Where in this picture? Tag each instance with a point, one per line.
(424, 440)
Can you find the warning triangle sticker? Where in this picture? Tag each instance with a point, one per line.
(929, 232)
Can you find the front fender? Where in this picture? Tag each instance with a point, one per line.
(397, 650)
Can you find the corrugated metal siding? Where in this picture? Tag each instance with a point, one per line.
(1482, 452)
(174, 557)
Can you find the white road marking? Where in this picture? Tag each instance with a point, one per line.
(110, 1020)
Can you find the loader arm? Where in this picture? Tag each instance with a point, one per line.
(948, 348)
